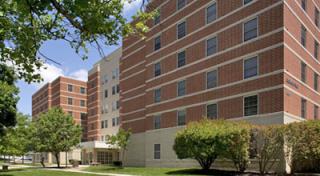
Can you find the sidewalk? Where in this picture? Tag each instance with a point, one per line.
(77, 170)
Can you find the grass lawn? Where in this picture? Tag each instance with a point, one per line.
(155, 171)
(40, 172)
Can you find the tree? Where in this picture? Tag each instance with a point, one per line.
(26, 24)
(236, 139)
(16, 140)
(55, 132)
(121, 139)
(199, 141)
(8, 98)
(268, 143)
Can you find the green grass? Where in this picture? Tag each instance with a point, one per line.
(40, 172)
(142, 171)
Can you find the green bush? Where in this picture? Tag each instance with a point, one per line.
(267, 142)
(206, 140)
(303, 145)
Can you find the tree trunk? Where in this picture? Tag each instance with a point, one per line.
(42, 160)
(23, 159)
(57, 156)
(205, 163)
(123, 152)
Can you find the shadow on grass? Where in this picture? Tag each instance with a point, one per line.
(212, 172)
(7, 173)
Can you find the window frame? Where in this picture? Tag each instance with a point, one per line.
(217, 78)
(82, 103)
(185, 58)
(216, 46)
(155, 44)
(155, 95)
(185, 88)
(216, 17)
(315, 81)
(303, 72)
(316, 50)
(155, 73)
(185, 29)
(243, 29)
(70, 88)
(303, 35)
(315, 112)
(303, 107)
(70, 101)
(244, 105)
(82, 90)
(185, 117)
(244, 69)
(246, 3)
(155, 124)
(180, 8)
(156, 151)
(316, 17)
(216, 104)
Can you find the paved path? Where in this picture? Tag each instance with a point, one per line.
(77, 170)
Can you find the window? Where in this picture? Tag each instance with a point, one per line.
(250, 67)
(157, 122)
(181, 117)
(106, 93)
(315, 81)
(315, 112)
(82, 90)
(105, 79)
(157, 69)
(157, 18)
(212, 111)
(316, 49)
(157, 150)
(211, 46)
(82, 103)
(181, 30)
(157, 43)
(251, 105)
(118, 88)
(181, 4)
(181, 88)
(246, 2)
(114, 90)
(117, 104)
(104, 124)
(303, 36)
(115, 73)
(181, 58)
(70, 88)
(211, 13)
(303, 72)
(250, 29)
(303, 108)
(304, 5)
(117, 120)
(157, 95)
(212, 80)
(70, 113)
(316, 17)
(83, 116)
(70, 101)
(113, 122)
(114, 105)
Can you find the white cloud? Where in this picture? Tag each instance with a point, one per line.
(131, 6)
(50, 72)
(81, 75)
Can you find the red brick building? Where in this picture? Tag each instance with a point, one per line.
(66, 93)
(254, 60)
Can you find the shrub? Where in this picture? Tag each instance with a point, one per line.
(303, 145)
(206, 140)
(117, 163)
(268, 145)
(237, 142)
(198, 141)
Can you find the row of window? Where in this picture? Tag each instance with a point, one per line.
(82, 102)
(115, 90)
(250, 69)
(316, 12)
(82, 89)
(303, 41)
(304, 76)
(304, 110)
(250, 108)
(115, 75)
(115, 122)
(250, 32)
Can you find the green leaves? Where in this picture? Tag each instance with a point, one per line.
(26, 24)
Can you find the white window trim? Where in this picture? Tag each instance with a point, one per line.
(206, 45)
(258, 66)
(243, 106)
(185, 86)
(206, 9)
(177, 29)
(185, 57)
(258, 29)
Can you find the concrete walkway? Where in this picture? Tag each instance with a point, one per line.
(77, 170)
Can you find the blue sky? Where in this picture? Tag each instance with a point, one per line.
(71, 64)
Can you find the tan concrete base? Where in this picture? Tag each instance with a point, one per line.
(141, 147)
